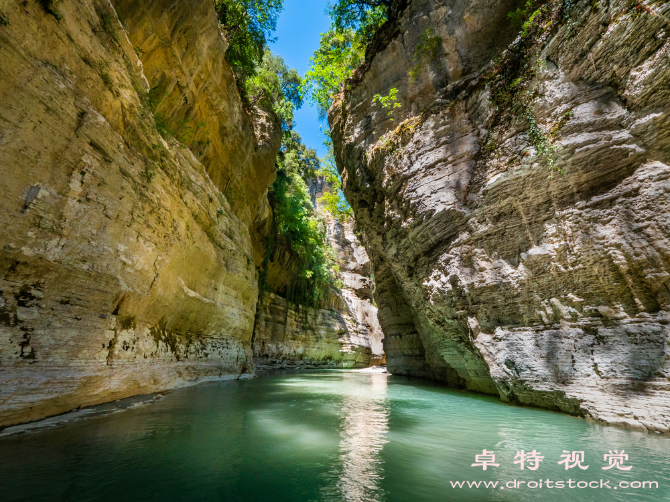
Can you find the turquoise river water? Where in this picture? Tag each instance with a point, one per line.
(327, 436)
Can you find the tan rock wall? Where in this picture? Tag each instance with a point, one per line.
(289, 337)
(124, 269)
(344, 331)
(194, 96)
(494, 272)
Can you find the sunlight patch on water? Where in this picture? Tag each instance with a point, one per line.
(363, 430)
(287, 429)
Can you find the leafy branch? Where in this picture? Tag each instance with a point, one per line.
(389, 103)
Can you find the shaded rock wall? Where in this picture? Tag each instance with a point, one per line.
(287, 336)
(494, 272)
(124, 268)
(343, 332)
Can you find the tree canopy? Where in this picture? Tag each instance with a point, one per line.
(248, 26)
(339, 53)
(298, 228)
(295, 157)
(363, 16)
(334, 201)
(342, 48)
(277, 84)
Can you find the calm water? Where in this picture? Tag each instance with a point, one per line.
(321, 436)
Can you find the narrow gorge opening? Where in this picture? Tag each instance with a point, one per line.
(388, 239)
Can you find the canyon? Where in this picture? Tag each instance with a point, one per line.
(135, 213)
(345, 332)
(510, 231)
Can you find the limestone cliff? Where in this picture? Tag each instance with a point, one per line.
(356, 273)
(132, 176)
(516, 208)
(344, 332)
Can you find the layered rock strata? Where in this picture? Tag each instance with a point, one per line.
(127, 264)
(291, 336)
(357, 276)
(516, 208)
(343, 332)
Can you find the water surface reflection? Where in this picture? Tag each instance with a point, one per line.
(320, 436)
(365, 417)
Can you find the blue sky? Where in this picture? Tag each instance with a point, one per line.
(298, 30)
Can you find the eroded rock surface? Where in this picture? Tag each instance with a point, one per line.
(290, 336)
(494, 272)
(357, 283)
(344, 332)
(127, 264)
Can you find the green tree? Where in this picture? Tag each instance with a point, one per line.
(339, 53)
(277, 84)
(298, 228)
(342, 48)
(295, 157)
(248, 26)
(363, 16)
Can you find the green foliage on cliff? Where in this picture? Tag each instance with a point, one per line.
(518, 17)
(263, 78)
(278, 85)
(427, 52)
(338, 55)
(512, 86)
(297, 226)
(389, 103)
(248, 26)
(342, 48)
(334, 201)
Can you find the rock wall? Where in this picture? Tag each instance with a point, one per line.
(356, 272)
(288, 336)
(130, 186)
(344, 332)
(516, 208)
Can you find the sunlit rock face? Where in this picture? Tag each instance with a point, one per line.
(344, 332)
(195, 97)
(127, 264)
(494, 271)
(357, 275)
